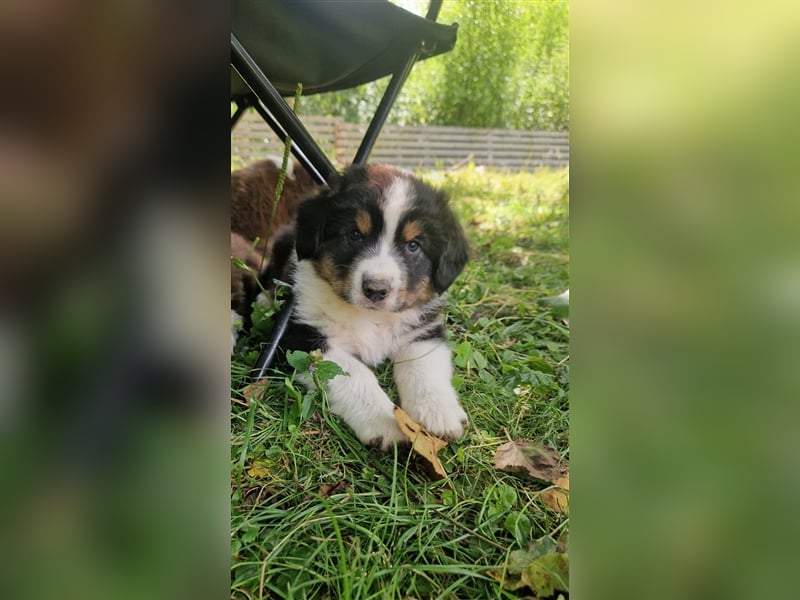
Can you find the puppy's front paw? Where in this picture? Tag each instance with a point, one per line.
(443, 418)
(386, 439)
(379, 431)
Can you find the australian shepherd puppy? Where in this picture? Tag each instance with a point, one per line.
(372, 259)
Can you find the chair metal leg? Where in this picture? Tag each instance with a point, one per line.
(390, 96)
(254, 77)
(240, 108)
(296, 151)
(267, 354)
(388, 99)
(433, 10)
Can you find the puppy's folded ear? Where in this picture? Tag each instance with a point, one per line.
(455, 249)
(311, 218)
(451, 262)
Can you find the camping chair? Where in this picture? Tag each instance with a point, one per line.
(325, 46)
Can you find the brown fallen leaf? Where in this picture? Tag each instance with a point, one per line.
(329, 489)
(562, 543)
(423, 443)
(255, 494)
(254, 390)
(540, 462)
(557, 497)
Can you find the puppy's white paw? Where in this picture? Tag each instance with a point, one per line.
(376, 427)
(425, 391)
(443, 418)
(381, 433)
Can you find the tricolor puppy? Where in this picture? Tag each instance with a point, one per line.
(374, 256)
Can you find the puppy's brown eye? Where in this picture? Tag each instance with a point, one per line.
(412, 246)
(355, 236)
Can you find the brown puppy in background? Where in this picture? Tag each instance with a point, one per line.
(253, 197)
(253, 227)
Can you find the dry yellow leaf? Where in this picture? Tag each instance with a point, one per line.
(423, 443)
(557, 498)
(258, 471)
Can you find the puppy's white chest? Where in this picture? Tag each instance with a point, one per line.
(372, 339)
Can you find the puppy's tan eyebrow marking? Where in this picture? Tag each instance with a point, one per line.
(363, 222)
(411, 230)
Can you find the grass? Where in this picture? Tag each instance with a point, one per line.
(316, 514)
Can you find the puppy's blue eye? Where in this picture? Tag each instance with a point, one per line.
(355, 236)
(412, 246)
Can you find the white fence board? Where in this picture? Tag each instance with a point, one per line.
(412, 147)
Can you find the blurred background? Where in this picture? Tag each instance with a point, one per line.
(685, 294)
(113, 369)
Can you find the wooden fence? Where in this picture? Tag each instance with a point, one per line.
(412, 147)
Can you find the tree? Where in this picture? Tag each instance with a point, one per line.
(510, 68)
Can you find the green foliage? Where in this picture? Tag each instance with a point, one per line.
(473, 87)
(319, 371)
(539, 567)
(509, 69)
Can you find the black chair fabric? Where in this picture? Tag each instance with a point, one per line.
(330, 45)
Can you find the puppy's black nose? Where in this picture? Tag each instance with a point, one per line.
(376, 289)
